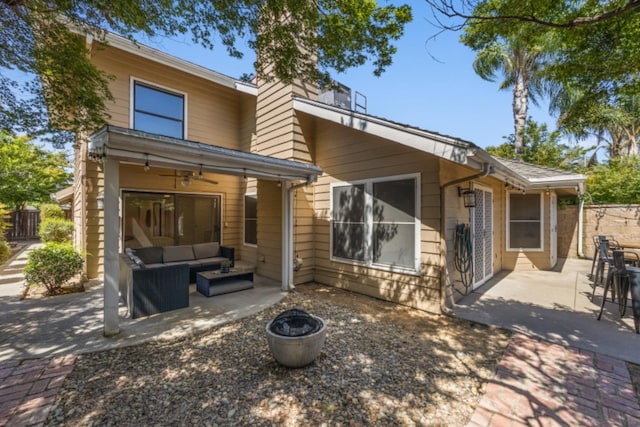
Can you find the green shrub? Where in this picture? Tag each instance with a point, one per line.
(56, 230)
(51, 211)
(52, 266)
(5, 251)
(4, 220)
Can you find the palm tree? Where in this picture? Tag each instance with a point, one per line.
(613, 121)
(521, 66)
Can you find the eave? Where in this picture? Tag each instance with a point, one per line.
(132, 146)
(452, 149)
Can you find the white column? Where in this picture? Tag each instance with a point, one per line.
(111, 234)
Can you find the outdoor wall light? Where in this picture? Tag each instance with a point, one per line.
(100, 201)
(469, 197)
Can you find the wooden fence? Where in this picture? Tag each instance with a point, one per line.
(23, 225)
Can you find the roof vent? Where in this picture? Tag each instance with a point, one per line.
(337, 95)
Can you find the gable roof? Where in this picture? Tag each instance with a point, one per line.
(457, 150)
(515, 172)
(163, 58)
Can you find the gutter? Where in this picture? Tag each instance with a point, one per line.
(581, 228)
(486, 170)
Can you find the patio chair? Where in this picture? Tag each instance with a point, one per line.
(596, 251)
(623, 279)
(621, 259)
(604, 262)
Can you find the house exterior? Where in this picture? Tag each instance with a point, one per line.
(303, 190)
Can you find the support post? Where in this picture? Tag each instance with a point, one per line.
(287, 237)
(111, 235)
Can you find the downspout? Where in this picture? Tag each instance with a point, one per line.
(287, 247)
(581, 227)
(486, 170)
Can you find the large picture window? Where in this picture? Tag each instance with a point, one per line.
(251, 219)
(157, 110)
(377, 223)
(525, 222)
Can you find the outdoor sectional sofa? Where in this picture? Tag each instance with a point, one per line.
(156, 279)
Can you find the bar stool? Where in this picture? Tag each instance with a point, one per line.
(596, 251)
(625, 278)
(604, 261)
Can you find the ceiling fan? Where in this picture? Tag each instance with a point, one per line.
(186, 177)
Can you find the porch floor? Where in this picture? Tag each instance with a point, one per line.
(73, 323)
(555, 306)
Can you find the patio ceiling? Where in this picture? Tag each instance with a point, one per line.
(136, 147)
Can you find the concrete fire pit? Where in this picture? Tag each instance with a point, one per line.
(296, 338)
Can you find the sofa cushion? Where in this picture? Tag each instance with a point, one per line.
(213, 261)
(206, 250)
(150, 254)
(177, 253)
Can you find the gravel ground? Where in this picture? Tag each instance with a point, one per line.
(382, 364)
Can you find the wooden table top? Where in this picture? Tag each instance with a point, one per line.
(630, 245)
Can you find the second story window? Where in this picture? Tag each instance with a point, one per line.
(158, 111)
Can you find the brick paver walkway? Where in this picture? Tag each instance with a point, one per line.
(28, 389)
(543, 384)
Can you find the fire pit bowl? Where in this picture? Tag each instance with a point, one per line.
(296, 337)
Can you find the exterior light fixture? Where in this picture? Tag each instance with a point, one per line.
(146, 163)
(468, 196)
(100, 201)
(186, 181)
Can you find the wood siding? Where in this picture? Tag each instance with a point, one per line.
(215, 115)
(269, 230)
(213, 111)
(347, 155)
(277, 127)
(304, 233)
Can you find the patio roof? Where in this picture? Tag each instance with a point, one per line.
(132, 146)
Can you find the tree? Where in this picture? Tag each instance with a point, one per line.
(294, 39)
(592, 45)
(521, 65)
(543, 148)
(567, 14)
(615, 123)
(615, 182)
(29, 174)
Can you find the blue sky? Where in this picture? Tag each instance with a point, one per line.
(444, 96)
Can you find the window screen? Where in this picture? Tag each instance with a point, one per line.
(375, 222)
(525, 222)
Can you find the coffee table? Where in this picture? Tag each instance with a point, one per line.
(210, 283)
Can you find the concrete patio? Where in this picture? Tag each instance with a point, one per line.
(555, 306)
(73, 323)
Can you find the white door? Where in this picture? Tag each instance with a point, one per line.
(482, 232)
(553, 229)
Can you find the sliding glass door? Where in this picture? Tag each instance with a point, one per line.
(162, 219)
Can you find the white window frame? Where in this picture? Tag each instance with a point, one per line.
(132, 101)
(368, 183)
(508, 231)
(244, 230)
